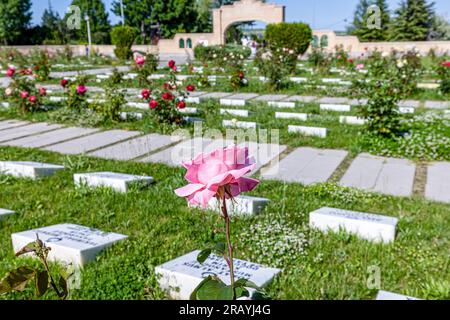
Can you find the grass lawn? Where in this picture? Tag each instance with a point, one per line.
(161, 227)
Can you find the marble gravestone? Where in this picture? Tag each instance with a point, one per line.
(239, 124)
(385, 295)
(69, 243)
(117, 181)
(4, 213)
(241, 205)
(372, 227)
(335, 107)
(28, 169)
(180, 277)
(309, 131)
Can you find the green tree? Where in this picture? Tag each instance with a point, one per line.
(440, 29)
(53, 26)
(413, 21)
(15, 17)
(363, 23)
(98, 20)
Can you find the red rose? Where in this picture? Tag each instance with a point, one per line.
(167, 96)
(167, 86)
(190, 88)
(81, 90)
(32, 99)
(42, 91)
(182, 104)
(350, 61)
(174, 69)
(241, 75)
(145, 93)
(10, 72)
(171, 64)
(153, 104)
(36, 68)
(446, 64)
(24, 94)
(64, 83)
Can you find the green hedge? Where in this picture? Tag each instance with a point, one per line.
(123, 38)
(294, 36)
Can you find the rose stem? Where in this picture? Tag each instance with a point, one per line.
(230, 246)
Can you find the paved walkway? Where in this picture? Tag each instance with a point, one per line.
(303, 165)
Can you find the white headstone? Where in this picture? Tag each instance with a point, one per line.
(194, 100)
(131, 115)
(235, 112)
(233, 102)
(117, 181)
(5, 213)
(352, 120)
(385, 295)
(69, 243)
(367, 226)
(406, 110)
(281, 104)
(240, 124)
(286, 115)
(241, 205)
(188, 111)
(336, 107)
(181, 276)
(308, 131)
(28, 169)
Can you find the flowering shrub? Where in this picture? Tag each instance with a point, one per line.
(76, 93)
(341, 57)
(145, 66)
(320, 61)
(443, 70)
(110, 110)
(41, 65)
(221, 175)
(275, 64)
(10, 56)
(215, 54)
(167, 101)
(23, 92)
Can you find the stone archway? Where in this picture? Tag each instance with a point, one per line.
(244, 11)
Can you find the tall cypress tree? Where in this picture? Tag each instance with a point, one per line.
(413, 21)
(15, 18)
(364, 18)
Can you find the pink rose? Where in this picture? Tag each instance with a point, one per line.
(42, 91)
(140, 60)
(360, 67)
(24, 94)
(221, 168)
(10, 72)
(446, 64)
(81, 90)
(32, 99)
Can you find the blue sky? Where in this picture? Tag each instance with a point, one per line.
(320, 14)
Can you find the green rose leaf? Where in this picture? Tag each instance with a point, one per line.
(220, 248)
(31, 247)
(17, 279)
(41, 283)
(212, 288)
(203, 255)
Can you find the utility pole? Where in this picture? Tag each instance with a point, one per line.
(89, 33)
(121, 12)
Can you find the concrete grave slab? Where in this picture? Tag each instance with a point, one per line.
(8, 124)
(27, 130)
(5, 213)
(92, 142)
(306, 166)
(28, 169)
(389, 176)
(438, 182)
(119, 182)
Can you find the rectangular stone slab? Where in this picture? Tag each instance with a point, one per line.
(243, 96)
(49, 138)
(234, 112)
(239, 124)
(287, 115)
(8, 124)
(384, 175)
(306, 166)
(215, 95)
(281, 104)
(241, 205)
(390, 296)
(352, 120)
(437, 104)
(27, 130)
(336, 107)
(92, 142)
(135, 148)
(271, 97)
(4, 213)
(406, 110)
(117, 181)
(368, 226)
(308, 131)
(305, 99)
(29, 169)
(180, 277)
(409, 103)
(438, 182)
(69, 243)
(233, 102)
(333, 100)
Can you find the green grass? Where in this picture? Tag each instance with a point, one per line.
(161, 227)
